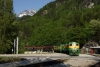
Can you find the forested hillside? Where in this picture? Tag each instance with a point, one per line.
(62, 21)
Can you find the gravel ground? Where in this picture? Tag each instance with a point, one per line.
(80, 62)
(77, 62)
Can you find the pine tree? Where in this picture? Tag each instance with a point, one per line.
(7, 31)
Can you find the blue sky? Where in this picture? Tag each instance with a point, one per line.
(21, 5)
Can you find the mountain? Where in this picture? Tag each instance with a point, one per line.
(30, 12)
(62, 21)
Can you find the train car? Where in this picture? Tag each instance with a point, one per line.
(56, 48)
(60, 48)
(48, 48)
(73, 48)
(63, 48)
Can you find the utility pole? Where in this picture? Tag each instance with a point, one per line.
(14, 45)
(17, 47)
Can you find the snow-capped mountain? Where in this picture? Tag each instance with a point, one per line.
(30, 12)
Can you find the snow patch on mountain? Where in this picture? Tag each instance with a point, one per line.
(30, 12)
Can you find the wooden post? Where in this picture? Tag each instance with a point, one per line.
(14, 45)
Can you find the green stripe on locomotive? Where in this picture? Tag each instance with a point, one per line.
(74, 52)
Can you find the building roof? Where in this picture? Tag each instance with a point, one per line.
(95, 47)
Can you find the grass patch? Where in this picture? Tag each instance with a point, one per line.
(10, 59)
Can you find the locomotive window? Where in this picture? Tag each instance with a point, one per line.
(76, 44)
(70, 44)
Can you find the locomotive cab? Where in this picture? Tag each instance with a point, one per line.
(73, 48)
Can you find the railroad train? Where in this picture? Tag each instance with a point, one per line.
(71, 48)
